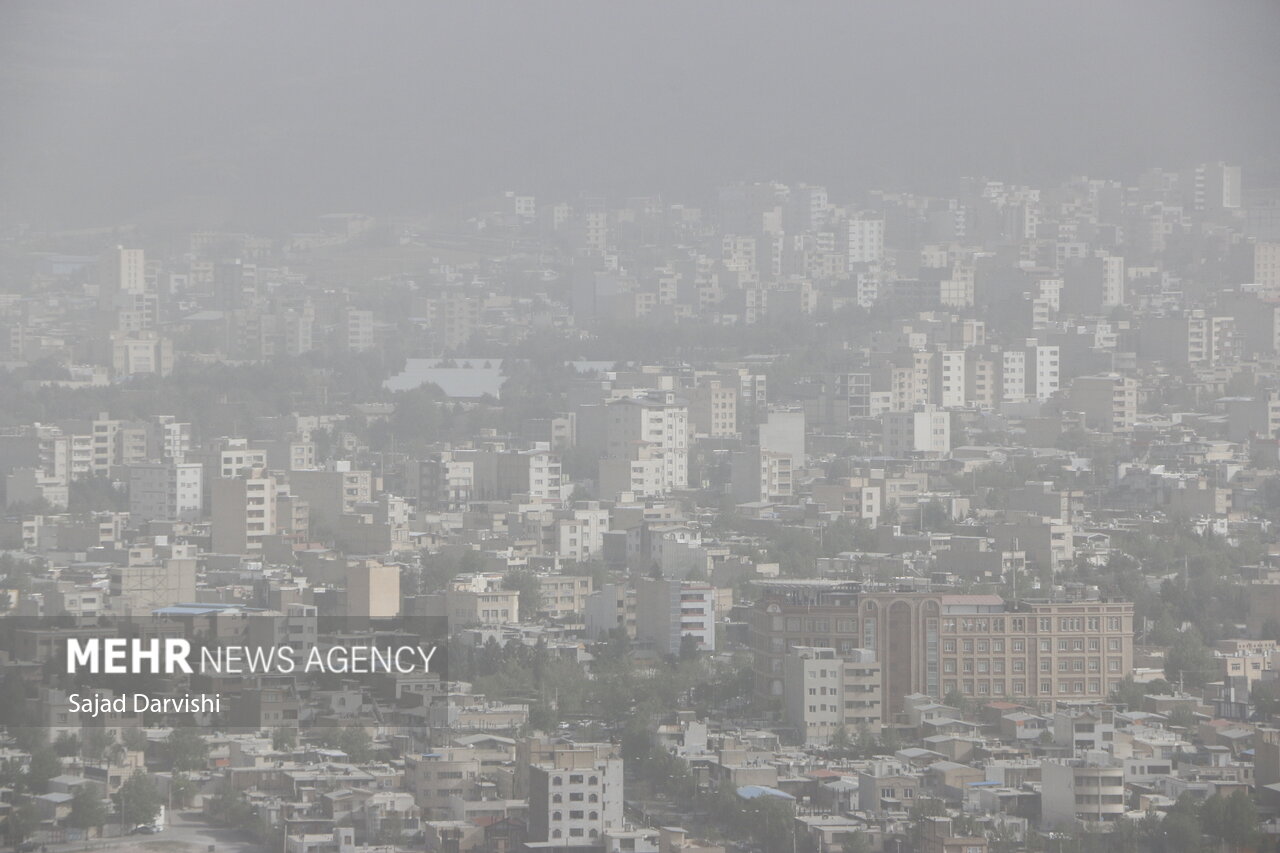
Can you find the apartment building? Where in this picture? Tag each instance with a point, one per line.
(575, 795)
(1081, 792)
(373, 593)
(761, 475)
(925, 430)
(166, 491)
(669, 610)
(611, 607)
(444, 480)
(713, 408)
(579, 532)
(825, 693)
(1038, 652)
(439, 776)
(659, 419)
(563, 595)
(138, 589)
(1109, 402)
(244, 512)
(332, 493)
(480, 600)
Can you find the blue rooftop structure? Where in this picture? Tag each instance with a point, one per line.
(750, 792)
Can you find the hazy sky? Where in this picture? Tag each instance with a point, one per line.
(258, 111)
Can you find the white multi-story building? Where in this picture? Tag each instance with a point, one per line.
(783, 432)
(358, 330)
(927, 429)
(166, 491)
(244, 512)
(761, 475)
(823, 692)
(1043, 370)
(669, 610)
(172, 438)
(575, 796)
(500, 474)
(947, 379)
(865, 240)
(444, 480)
(658, 419)
(1013, 376)
(644, 476)
(713, 408)
(811, 679)
(1109, 402)
(1113, 280)
(580, 531)
(123, 271)
(1082, 792)
(231, 457)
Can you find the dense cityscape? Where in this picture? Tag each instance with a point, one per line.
(767, 521)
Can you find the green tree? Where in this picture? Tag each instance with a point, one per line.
(138, 801)
(1232, 820)
(183, 788)
(1131, 693)
(688, 648)
(87, 809)
(841, 743)
(957, 700)
(228, 808)
(66, 744)
(770, 821)
(186, 749)
(890, 742)
(135, 740)
(530, 588)
(1180, 830)
(1189, 660)
(1265, 698)
(43, 767)
(284, 738)
(93, 746)
(1183, 717)
(856, 842)
(356, 743)
(390, 830)
(21, 822)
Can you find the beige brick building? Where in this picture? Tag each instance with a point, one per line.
(982, 646)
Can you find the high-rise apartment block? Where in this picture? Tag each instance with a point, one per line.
(658, 420)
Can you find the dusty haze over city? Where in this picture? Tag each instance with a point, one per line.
(262, 111)
(640, 427)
